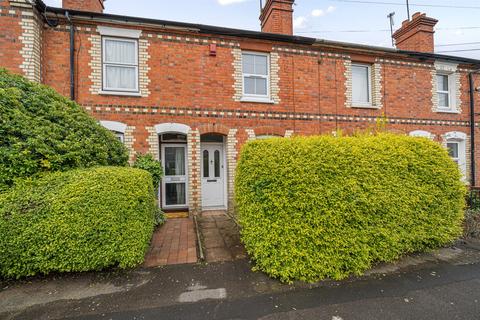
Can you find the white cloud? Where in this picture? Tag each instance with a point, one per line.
(318, 13)
(229, 2)
(321, 13)
(330, 9)
(300, 22)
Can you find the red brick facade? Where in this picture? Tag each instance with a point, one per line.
(187, 85)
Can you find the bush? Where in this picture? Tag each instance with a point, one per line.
(318, 207)
(41, 131)
(471, 224)
(148, 163)
(79, 220)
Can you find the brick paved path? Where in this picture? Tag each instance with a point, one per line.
(173, 243)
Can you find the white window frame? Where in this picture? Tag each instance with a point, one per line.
(105, 64)
(450, 92)
(363, 104)
(256, 97)
(460, 138)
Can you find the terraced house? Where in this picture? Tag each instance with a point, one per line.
(193, 94)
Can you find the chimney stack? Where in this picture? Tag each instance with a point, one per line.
(84, 5)
(416, 34)
(277, 16)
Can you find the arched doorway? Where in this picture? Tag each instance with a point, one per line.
(213, 171)
(173, 155)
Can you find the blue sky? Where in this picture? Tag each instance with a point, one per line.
(326, 19)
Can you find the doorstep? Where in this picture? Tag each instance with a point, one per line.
(173, 243)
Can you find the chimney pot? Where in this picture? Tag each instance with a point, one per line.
(416, 34)
(277, 16)
(84, 5)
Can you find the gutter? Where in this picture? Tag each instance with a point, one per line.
(472, 127)
(72, 56)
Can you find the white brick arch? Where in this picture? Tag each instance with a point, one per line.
(114, 126)
(172, 127)
(422, 134)
(455, 135)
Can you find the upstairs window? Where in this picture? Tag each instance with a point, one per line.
(120, 64)
(443, 91)
(256, 79)
(361, 85)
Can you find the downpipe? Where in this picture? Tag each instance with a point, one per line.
(72, 56)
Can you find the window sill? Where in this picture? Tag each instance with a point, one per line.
(257, 100)
(365, 106)
(120, 93)
(447, 111)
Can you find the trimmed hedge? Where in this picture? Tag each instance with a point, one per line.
(79, 220)
(42, 131)
(324, 207)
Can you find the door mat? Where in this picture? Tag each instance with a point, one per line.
(174, 215)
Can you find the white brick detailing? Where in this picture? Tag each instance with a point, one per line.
(96, 65)
(274, 77)
(231, 166)
(377, 85)
(153, 142)
(31, 40)
(376, 74)
(250, 134)
(289, 133)
(129, 140)
(194, 180)
(455, 84)
(143, 67)
(348, 82)
(238, 76)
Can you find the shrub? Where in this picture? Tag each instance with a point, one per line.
(79, 220)
(471, 226)
(318, 207)
(148, 163)
(42, 131)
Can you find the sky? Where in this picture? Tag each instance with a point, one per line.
(357, 21)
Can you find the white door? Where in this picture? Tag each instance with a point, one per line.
(213, 176)
(174, 181)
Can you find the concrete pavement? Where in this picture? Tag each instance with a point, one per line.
(444, 284)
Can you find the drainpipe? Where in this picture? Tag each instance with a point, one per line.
(72, 57)
(472, 127)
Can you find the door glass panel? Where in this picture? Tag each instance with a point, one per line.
(206, 170)
(174, 161)
(216, 160)
(175, 194)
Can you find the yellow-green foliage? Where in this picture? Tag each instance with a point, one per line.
(324, 207)
(77, 220)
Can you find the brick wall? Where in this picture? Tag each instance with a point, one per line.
(183, 84)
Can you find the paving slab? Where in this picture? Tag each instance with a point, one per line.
(220, 237)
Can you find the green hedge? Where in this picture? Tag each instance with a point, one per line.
(79, 220)
(42, 131)
(324, 207)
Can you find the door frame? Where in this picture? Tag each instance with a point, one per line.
(224, 206)
(163, 182)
